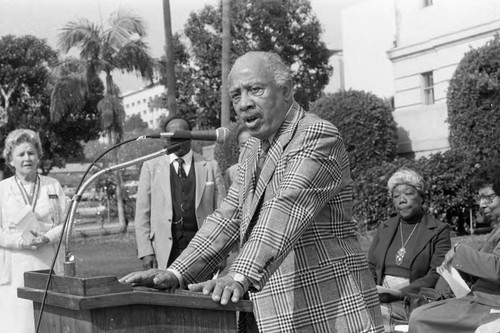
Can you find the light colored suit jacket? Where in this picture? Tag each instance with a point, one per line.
(298, 241)
(153, 213)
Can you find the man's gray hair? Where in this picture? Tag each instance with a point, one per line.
(274, 65)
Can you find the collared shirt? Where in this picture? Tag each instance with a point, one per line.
(188, 159)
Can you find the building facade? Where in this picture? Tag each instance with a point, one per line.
(429, 38)
(142, 102)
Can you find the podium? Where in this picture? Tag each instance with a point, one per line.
(102, 304)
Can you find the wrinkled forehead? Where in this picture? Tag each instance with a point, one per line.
(248, 71)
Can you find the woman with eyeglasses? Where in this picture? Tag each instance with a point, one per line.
(407, 248)
(479, 311)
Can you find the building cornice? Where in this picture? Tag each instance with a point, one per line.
(472, 33)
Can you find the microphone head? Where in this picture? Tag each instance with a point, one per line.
(223, 135)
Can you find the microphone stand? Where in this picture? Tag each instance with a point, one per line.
(69, 262)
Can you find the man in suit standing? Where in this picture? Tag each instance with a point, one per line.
(175, 194)
(290, 210)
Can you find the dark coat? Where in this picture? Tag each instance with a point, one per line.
(433, 241)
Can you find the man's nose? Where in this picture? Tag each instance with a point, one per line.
(246, 102)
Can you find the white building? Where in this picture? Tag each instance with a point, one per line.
(422, 42)
(140, 102)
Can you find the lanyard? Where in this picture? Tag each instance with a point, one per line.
(29, 200)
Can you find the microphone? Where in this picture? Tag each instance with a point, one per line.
(219, 135)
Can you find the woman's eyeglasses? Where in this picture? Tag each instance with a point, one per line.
(488, 199)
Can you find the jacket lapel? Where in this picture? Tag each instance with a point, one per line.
(423, 236)
(163, 178)
(201, 178)
(282, 138)
(248, 187)
(390, 226)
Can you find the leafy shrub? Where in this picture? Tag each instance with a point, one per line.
(448, 192)
(474, 101)
(366, 124)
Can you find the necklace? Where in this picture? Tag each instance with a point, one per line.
(29, 198)
(402, 251)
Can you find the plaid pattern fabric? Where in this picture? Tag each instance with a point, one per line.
(298, 243)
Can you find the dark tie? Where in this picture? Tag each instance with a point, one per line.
(180, 169)
(264, 148)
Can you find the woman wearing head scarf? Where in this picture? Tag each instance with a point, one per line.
(407, 248)
(32, 208)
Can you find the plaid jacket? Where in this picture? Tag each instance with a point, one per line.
(297, 239)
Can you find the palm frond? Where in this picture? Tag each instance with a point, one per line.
(67, 96)
(135, 56)
(83, 34)
(124, 27)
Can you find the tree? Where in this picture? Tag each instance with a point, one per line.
(120, 46)
(474, 101)
(365, 122)
(135, 124)
(288, 28)
(24, 70)
(27, 82)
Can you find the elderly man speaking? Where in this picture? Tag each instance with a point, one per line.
(290, 211)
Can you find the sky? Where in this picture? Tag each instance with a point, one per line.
(44, 18)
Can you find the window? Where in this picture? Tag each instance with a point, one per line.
(427, 3)
(427, 88)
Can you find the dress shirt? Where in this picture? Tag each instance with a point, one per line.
(188, 160)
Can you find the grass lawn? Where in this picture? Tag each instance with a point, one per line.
(116, 254)
(106, 255)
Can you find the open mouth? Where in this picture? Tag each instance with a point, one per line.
(251, 120)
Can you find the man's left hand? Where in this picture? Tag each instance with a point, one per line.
(222, 289)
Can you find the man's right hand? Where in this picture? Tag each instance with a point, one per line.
(149, 261)
(153, 277)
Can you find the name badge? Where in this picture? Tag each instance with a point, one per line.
(53, 196)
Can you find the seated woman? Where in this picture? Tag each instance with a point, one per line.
(482, 304)
(407, 248)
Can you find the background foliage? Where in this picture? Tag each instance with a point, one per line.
(474, 101)
(288, 28)
(25, 70)
(366, 124)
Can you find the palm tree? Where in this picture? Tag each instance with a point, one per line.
(119, 46)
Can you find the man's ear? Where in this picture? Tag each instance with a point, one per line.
(288, 91)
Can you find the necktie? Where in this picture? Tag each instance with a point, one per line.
(180, 169)
(264, 148)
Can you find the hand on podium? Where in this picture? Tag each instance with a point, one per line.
(222, 289)
(153, 277)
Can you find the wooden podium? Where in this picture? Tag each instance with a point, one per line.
(102, 304)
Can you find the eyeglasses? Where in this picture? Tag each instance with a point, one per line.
(488, 199)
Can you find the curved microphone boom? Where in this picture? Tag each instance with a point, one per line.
(219, 135)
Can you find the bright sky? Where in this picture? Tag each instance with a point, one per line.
(43, 18)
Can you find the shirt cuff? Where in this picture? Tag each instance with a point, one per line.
(178, 276)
